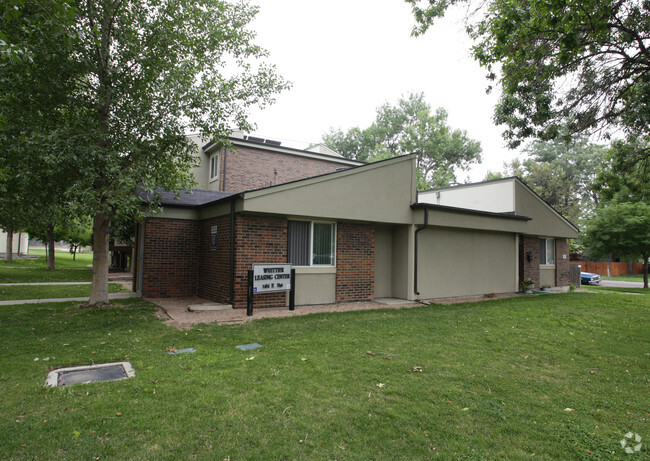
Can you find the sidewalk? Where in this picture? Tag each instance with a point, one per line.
(176, 311)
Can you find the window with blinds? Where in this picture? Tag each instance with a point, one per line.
(311, 243)
(546, 252)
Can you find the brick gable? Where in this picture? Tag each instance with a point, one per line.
(247, 168)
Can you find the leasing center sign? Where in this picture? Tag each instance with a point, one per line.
(271, 277)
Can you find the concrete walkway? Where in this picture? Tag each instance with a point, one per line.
(177, 313)
(15, 302)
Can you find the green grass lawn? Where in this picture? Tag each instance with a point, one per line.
(62, 259)
(38, 274)
(626, 278)
(35, 270)
(52, 291)
(556, 376)
(641, 291)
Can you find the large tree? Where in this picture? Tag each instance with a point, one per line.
(621, 228)
(562, 172)
(410, 127)
(125, 80)
(623, 176)
(583, 65)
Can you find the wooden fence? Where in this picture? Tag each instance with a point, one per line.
(615, 269)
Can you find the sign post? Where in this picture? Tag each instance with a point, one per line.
(292, 293)
(270, 278)
(249, 297)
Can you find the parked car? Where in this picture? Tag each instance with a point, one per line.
(589, 278)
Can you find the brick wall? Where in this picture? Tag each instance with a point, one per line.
(214, 265)
(529, 270)
(562, 266)
(178, 261)
(248, 168)
(258, 240)
(170, 266)
(355, 262)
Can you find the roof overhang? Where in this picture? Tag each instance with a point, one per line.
(467, 211)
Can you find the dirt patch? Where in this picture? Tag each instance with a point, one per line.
(107, 305)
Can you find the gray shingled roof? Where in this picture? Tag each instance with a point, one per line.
(193, 198)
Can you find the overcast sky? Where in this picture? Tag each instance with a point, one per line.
(347, 57)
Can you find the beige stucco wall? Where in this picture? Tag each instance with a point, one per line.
(381, 192)
(457, 262)
(200, 171)
(315, 285)
(402, 259)
(545, 220)
(496, 197)
(442, 218)
(547, 276)
(383, 261)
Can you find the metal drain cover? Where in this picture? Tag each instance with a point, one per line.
(89, 374)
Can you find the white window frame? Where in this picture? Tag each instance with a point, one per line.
(546, 252)
(214, 167)
(311, 242)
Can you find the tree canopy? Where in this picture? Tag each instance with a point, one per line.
(621, 228)
(562, 173)
(582, 65)
(410, 127)
(621, 176)
(105, 91)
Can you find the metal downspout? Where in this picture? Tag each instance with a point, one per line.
(415, 256)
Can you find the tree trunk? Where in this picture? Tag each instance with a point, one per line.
(50, 245)
(9, 256)
(645, 271)
(99, 290)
